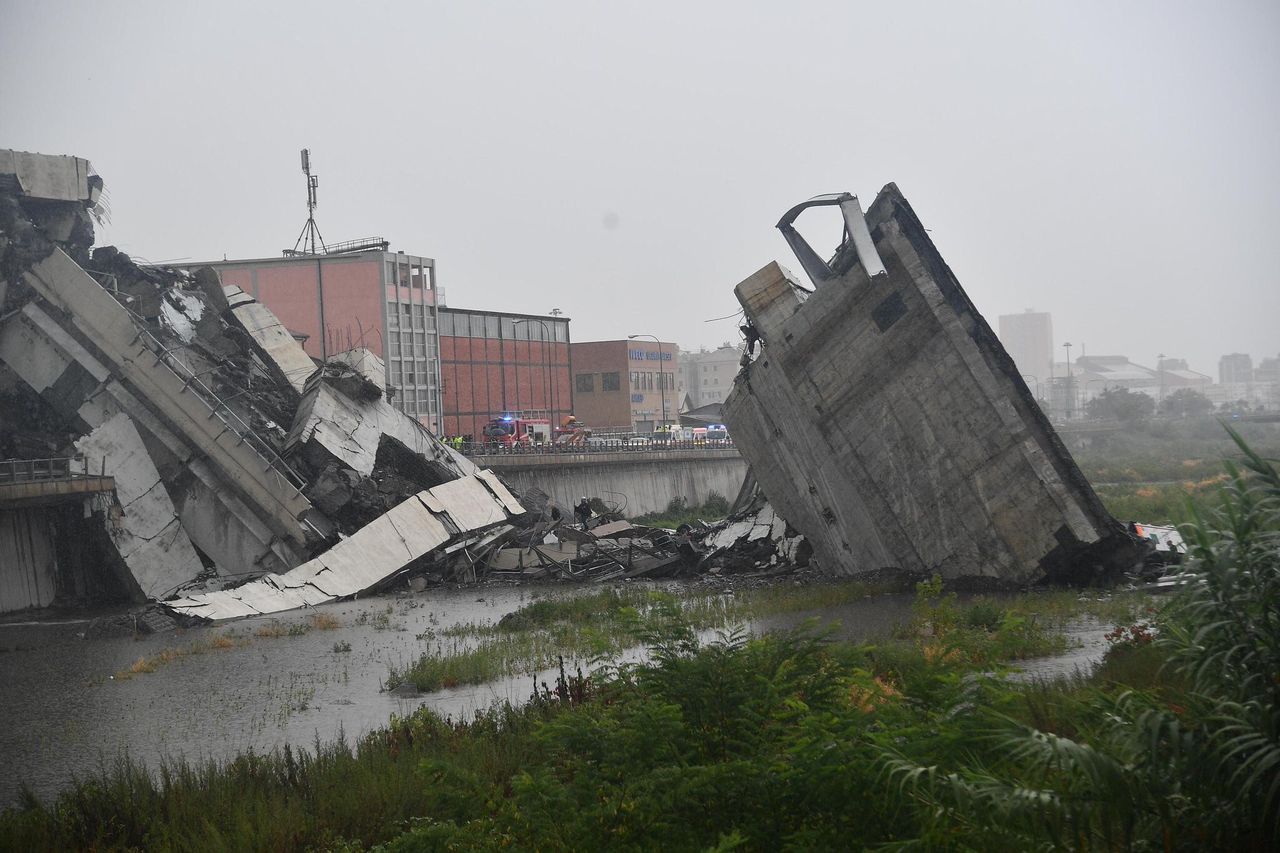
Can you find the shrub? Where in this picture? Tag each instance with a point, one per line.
(1194, 763)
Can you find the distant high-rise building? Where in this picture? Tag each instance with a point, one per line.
(708, 374)
(1028, 338)
(1235, 368)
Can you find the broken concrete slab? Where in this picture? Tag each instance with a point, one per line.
(885, 421)
(282, 354)
(755, 536)
(447, 518)
(51, 177)
(351, 430)
(368, 373)
(148, 533)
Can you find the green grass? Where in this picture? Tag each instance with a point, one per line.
(1167, 451)
(598, 625)
(777, 739)
(679, 512)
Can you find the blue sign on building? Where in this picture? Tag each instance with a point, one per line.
(637, 398)
(645, 355)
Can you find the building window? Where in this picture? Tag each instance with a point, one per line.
(585, 383)
(609, 382)
(491, 328)
(446, 324)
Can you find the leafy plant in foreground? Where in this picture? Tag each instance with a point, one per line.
(1201, 773)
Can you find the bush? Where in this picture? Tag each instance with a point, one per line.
(1194, 762)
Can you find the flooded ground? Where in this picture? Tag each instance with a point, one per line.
(65, 705)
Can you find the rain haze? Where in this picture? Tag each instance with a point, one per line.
(1113, 164)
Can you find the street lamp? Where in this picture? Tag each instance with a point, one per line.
(1089, 382)
(1160, 374)
(546, 360)
(1070, 391)
(661, 381)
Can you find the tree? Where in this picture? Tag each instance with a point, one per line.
(1120, 404)
(1186, 402)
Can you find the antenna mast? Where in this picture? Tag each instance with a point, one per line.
(310, 235)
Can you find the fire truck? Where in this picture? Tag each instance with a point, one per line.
(514, 430)
(511, 429)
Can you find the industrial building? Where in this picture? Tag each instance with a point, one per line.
(493, 363)
(627, 385)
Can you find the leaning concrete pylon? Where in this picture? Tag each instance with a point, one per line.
(885, 421)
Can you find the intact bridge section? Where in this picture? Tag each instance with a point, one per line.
(638, 482)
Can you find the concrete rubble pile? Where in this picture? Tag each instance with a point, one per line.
(885, 422)
(234, 455)
(753, 538)
(607, 548)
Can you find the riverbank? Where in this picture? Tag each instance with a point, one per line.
(196, 706)
(78, 702)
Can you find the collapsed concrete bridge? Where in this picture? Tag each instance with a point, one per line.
(884, 420)
(229, 454)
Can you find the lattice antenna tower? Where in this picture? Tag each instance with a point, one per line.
(310, 236)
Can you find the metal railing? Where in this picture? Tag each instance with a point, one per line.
(42, 470)
(478, 448)
(218, 407)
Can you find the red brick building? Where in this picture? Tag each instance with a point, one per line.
(493, 363)
(625, 385)
(384, 301)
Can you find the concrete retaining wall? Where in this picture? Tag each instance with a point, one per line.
(639, 482)
(28, 565)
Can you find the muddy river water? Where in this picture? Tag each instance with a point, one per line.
(65, 708)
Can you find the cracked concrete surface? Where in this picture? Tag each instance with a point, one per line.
(148, 535)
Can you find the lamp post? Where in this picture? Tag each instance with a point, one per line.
(1070, 390)
(546, 360)
(1160, 373)
(661, 381)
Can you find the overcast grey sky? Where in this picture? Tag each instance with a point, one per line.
(1115, 164)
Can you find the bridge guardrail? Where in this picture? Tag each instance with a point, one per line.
(478, 448)
(41, 470)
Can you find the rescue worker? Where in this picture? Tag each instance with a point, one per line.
(582, 511)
